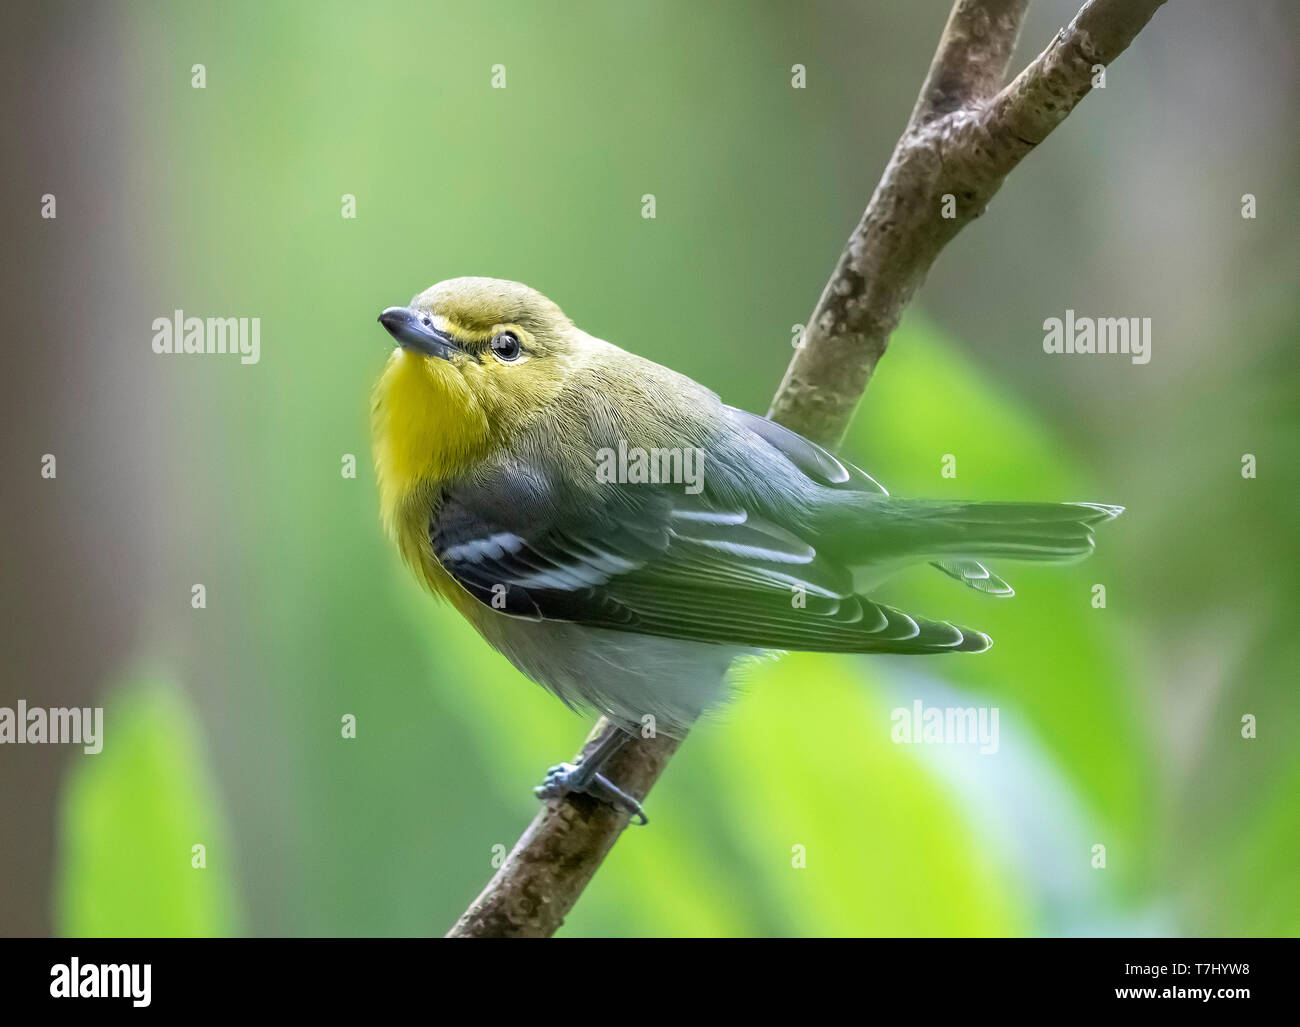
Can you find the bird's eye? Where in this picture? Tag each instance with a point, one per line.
(506, 345)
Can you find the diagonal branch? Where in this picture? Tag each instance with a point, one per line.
(960, 160)
(961, 141)
(555, 858)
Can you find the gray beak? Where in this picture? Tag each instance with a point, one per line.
(415, 331)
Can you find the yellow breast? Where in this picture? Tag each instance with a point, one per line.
(426, 427)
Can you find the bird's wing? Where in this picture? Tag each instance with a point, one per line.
(656, 560)
(821, 465)
(827, 469)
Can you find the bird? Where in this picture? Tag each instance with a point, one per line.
(627, 540)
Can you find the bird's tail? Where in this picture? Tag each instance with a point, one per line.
(1053, 532)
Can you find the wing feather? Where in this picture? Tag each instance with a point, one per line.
(652, 560)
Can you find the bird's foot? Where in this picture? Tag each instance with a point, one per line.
(566, 778)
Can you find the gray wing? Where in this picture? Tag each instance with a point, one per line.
(656, 560)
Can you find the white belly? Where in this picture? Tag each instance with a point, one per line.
(625, 676)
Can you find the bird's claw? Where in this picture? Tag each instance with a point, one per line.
(558, 781)
(566, 778)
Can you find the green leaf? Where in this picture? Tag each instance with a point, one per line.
(128, 821)
(1057, 659)
(801, 770)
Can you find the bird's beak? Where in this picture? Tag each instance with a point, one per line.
(415, 331)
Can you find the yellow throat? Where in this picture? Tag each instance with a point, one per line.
(426, 427)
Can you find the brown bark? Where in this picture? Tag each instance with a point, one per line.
(959, 153)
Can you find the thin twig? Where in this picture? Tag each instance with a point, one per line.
(971, 62)
(961, 141)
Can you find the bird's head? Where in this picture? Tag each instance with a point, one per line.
(476, 360)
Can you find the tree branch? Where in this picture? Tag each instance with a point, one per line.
(972, 59)
(550, 865)
(961, 141)
(964, 155)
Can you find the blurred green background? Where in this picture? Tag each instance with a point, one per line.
(1119, 726)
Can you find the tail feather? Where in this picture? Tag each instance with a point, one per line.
(955, 533)
(974, 574)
